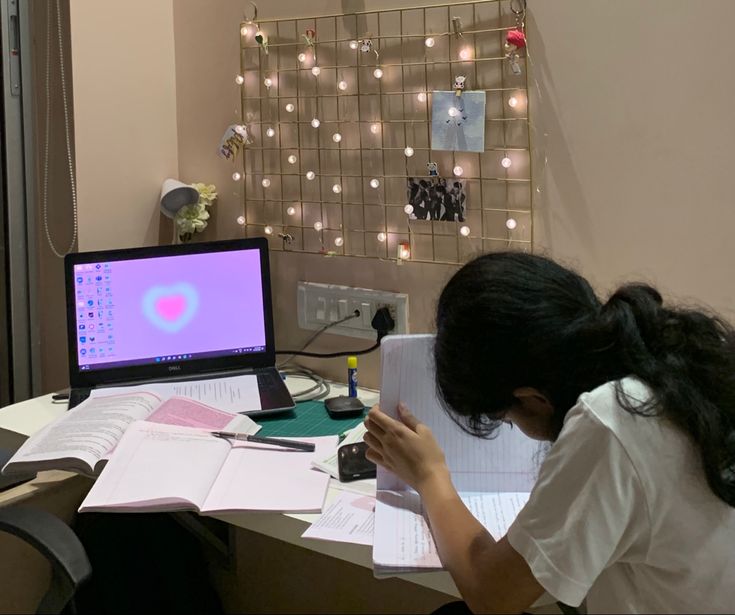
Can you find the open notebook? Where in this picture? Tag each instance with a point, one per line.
(163, 467)
(493, 477)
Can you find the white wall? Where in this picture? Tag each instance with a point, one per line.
(124, 117)
(631, 108)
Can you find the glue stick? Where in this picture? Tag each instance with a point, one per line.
(352, 376)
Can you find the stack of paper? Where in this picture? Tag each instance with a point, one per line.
(493, 477)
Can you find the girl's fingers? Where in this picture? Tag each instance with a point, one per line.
(409, 420)
(373, 427)
(373, 442)
(372, 455)
(381, 419)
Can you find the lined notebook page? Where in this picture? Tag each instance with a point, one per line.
(505, 463)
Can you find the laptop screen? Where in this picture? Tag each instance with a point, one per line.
(168, 307)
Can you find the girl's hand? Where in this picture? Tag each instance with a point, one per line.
(405, 447)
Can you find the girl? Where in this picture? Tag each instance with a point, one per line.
(634, 506)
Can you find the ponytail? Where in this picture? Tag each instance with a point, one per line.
(511, 320)
(687, 358)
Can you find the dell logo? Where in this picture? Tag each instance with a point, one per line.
(174, 368)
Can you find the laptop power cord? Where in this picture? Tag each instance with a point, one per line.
(382, 322)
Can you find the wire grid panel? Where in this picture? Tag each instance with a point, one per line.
(327, 169)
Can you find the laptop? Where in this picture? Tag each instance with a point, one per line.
(173, 313)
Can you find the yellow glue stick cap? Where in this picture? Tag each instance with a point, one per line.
(352, 362)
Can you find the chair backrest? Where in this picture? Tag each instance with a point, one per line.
(58, 543)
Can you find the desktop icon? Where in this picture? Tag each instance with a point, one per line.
(80, 280)
(83, 339)
(83, 351)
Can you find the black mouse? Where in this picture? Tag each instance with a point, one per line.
(343, 406)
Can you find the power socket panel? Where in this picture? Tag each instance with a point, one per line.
(323, 304)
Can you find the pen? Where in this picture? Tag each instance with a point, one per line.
(299, 446)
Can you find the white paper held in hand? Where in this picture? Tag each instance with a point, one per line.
(493, 477)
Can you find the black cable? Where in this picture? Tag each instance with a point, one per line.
(382, 322)
(330, 355)
(355, 314)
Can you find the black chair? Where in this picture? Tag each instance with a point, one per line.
(58, 543)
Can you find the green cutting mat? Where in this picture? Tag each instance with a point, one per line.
(310, 418)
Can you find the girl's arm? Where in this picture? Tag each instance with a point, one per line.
(491, 576)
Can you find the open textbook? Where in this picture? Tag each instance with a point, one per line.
(493, 477)
(83, 439)
(165, 467)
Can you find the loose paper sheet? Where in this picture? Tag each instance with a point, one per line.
(232, 394)
(349, 518)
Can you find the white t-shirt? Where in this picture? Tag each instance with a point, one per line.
(621, 514)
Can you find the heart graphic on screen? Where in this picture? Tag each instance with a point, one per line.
(171, 308)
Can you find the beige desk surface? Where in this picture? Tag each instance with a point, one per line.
(21, 420)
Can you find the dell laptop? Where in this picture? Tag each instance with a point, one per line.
(182, 312)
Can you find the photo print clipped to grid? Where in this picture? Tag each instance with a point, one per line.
(336, 144)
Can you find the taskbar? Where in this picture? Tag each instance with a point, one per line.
(164, 359)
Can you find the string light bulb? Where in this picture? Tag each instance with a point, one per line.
(268, 82)
(318, 226)
(336, 188)
(342, 85)
(404, 251)
(292, 159)
(381, 237)
(302, 57)
(458, 171)
(241, 220)
(506, 162)
(291, 211)
(375, 183)
(245, 31)
(336, 137)
(375, 128)
(270, 132)
(408, 151)
(378, 73)
(354, 45)
(266, 182)
(315, 123)
(465, 53)
(339, 241)
(310, 175)
(429, 42)
(408, 209)
(464, 231)
(290, 107)
(239, 79)
(268, 230)
(421, 96)
(241, 130)
(512, 101)
(511, 223)
(452, 111)
(316, 71)
(236, 176)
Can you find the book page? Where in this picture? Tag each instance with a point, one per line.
(86, 433)
(507, 462)
(264, 477)
(158, 467)
(411, 546)
(190, 413)
(232, 394)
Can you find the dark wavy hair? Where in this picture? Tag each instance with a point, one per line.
(507, 320)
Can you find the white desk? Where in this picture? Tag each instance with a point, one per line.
(19, 421)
